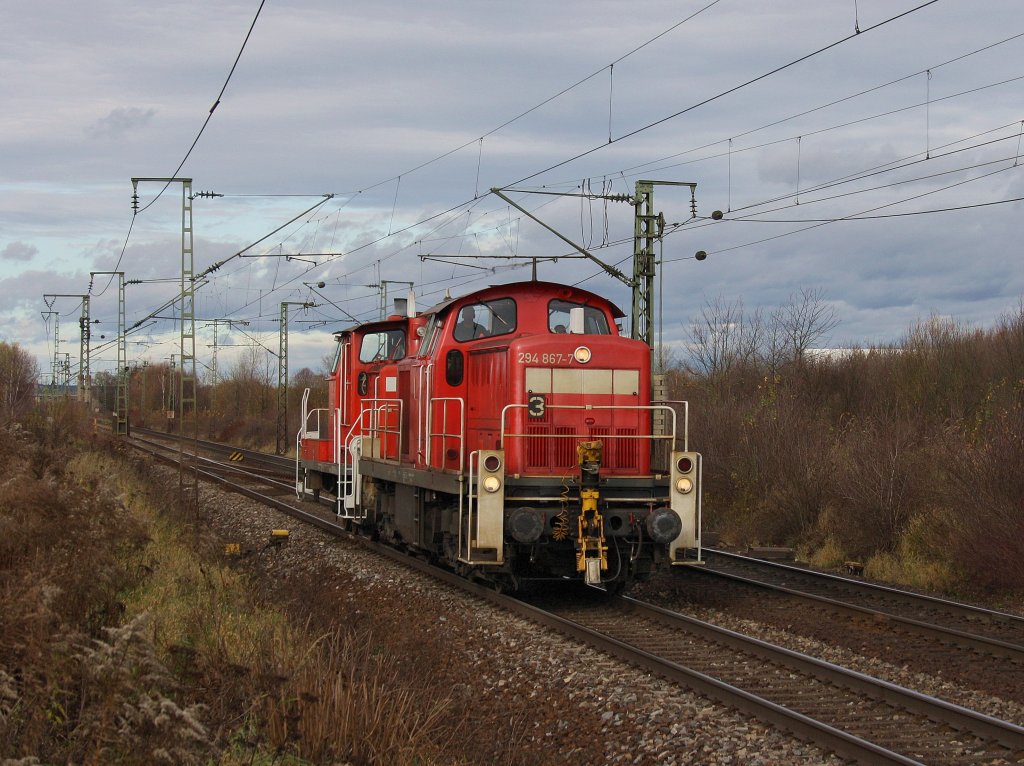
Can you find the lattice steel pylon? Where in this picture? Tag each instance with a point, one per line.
(84, 374)
(55, 364)
(56, 346)
(214, 379)
(188, 420)
(648, 228)
(121, 397)
(84, 378)
(282, 376)
(123, 378)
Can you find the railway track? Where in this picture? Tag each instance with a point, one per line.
(986, 630)
(258, 462)
(860, 718)
(857, 716)
(972, 648)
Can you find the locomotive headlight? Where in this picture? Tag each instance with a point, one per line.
(492, 484)
(581, 354)
(684, 484)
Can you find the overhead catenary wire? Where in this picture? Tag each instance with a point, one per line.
(727, 92)
(334, 256)
(188, 153)
(865, 215)
(834, 102)
(209, 114)
(398, 178)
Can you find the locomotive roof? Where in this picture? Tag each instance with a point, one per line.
(514, 287)
(559, 290)
(370, 325)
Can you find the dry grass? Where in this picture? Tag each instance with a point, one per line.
(338, 698)
(123, 638)
(907, 459)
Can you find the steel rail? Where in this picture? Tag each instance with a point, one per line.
(272, 461)
(993, 646)
(966, 610)
(960, 718)
(956, 610)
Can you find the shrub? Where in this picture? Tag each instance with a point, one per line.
(985, 494)
(883, 475)
(18, 374)
(916, 444)
(67, 548)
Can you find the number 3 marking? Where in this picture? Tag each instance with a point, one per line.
(535, 405)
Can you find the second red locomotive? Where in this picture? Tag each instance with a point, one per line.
(511, 434)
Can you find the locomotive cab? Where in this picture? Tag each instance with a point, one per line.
(362, 371)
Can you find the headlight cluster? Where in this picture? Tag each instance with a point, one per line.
(685, 480)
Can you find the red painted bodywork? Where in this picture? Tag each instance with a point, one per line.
(345, 402)
(495, 375)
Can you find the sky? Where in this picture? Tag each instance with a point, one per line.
(867, 150)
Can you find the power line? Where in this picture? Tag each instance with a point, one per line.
(820, 107)
(864, 215)
(543, 103)
(859, 217)
(209, 114)
(729, 91)
(706, 7)
(333, 257)
(206, 122)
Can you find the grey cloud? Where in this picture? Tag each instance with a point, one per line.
(119, 122)
(18, 251)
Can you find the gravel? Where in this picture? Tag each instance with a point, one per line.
(899, 674)
(552, 700)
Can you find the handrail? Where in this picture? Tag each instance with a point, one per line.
(305, 404)
(443, 433)
(466, 556)
(650, 408)
(298, 456)
(305, 431)
(686, 418)
(378, 407)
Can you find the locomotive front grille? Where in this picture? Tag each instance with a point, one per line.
(551, 446)
(626, 449)
(555, 446)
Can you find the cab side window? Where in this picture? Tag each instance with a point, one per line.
(430, 336)
(381, 345)
(485, 319)
(559, 318)
(454, 367)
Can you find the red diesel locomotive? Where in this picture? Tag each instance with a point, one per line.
(511, 434)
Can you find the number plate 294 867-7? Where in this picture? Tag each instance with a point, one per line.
(530, 357)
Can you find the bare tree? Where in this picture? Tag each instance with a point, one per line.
(327, 362)
(798, 324)
(724, 337)
(247, 385)
(18, 375)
